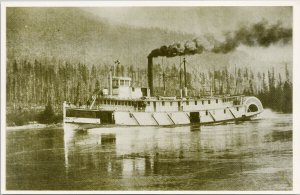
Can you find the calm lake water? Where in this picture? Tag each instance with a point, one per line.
(252, 155)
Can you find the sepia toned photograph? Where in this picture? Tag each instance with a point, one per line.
(149, 97)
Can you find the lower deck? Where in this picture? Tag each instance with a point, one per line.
(156, 118)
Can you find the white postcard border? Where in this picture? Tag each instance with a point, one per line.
(296, 83)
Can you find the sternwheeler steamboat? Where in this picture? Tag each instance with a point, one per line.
(122, 104)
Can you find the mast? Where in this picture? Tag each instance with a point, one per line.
(180, 76)
(117, 62)
(211, 87)
(111, 74)
(185, 82)
(213, 82)
(164, 81)
(110, 82)
(163, 75)
(184, 72)
(210, 84)
(235, 80)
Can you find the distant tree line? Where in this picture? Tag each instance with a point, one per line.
(274, 91)
(33, 84)
(277, 95)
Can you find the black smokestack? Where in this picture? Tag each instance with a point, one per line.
(150, 75)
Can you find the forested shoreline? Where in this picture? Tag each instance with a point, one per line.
(37, 87)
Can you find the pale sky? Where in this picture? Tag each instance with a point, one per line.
(202, 20)
(196, 20)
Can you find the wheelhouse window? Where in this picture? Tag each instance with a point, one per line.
(224, 111)
(162, 103)
(187, 103)
(237, 108)
(208, 101)
(196, 102)
(216, 100)
(202, 102)
(206, 112)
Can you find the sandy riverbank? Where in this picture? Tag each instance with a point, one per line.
(32, 126)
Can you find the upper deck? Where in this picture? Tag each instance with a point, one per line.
(167, 104)
(123, 97)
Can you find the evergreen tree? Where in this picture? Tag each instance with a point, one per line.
(47, 116)
(287, 105)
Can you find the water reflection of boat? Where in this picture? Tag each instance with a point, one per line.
(123, 152)
(123, 104)
(84, 153)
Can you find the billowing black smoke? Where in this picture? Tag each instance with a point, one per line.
(178, 49)
(259, 34)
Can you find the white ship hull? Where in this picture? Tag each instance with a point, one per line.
(201, 114)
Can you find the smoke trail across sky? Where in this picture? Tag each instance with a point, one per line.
(259, 34)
